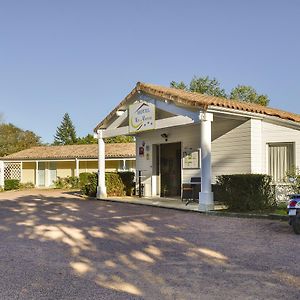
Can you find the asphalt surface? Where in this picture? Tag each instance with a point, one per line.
(55, 245)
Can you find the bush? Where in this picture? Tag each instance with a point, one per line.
(69, 182)
(11, 184)
(88, 184)
(114, 184)
(26, 185)
(84, 178)
(245, 192)
(128, 181)
(293, 178)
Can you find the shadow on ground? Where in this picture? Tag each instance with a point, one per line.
(62, 247)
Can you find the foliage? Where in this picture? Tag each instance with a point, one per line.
(293, 177)
(128, 182)
(88, 184)
(84, 178)
(14, 139)
(207, 86)
(88, 139)
(117, 184)
(202, 85)
(120, 139)
(26, 185)
(245, 192)
(69, 182)
(211, 87)
(178, 85)
(114, 184)
(11, 184)
(248, 94)
(65, 133)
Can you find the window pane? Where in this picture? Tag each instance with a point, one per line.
(281, 160)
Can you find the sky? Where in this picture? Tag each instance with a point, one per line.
(84, 56)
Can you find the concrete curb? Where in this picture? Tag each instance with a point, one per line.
(209, 213)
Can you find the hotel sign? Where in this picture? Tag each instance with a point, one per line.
(141, 117)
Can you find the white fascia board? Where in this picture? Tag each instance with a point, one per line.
(121, 118)
(271, 119)
(106, 133)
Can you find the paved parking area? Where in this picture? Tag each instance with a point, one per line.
(55, 245)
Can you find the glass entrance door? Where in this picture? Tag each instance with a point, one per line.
(41, 174)
(170, 169)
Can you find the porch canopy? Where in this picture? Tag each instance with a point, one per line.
(154, 108)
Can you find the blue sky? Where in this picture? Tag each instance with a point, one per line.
(83, 57)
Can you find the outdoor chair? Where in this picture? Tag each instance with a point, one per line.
(190, 191)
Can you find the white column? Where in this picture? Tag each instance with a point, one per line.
(37, 173)
(21, 173)
(77, 167)
(206, 199)
(101, 189)
(1, 174)
(124, 164)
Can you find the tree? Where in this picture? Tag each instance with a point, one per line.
(14, 139)
(65, 133)
(211, 87)
(119, 139)
(248, 94)
(88, 139)
(202, 85)
(178, 85)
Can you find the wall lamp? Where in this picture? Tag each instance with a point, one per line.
(165, 136)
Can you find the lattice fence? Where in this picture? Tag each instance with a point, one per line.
(12, 170)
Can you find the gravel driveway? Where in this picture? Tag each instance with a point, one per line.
(55, 245)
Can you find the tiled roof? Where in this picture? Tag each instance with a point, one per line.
(120, 150)
(200, 100)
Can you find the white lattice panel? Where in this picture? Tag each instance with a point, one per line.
(12, 170)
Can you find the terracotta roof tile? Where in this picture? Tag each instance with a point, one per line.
(120, 150)
(200, 100)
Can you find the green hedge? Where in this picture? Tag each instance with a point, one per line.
(88, 184)
(117, 184)
(11, 184)
(245, 192)
(114, 184)
(128, 181)
(69, 182)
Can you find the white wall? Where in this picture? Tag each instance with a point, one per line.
(231, 152)
(272, 133)
(231, 148)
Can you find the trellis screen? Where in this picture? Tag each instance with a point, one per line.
(12, 170)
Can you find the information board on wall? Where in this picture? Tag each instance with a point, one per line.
(141, 117)
(191, 159)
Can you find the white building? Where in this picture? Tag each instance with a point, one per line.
(180, 135)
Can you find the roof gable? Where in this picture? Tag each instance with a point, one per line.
(196, 100)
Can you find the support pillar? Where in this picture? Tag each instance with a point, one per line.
(37, 173)
(101, 189)
(206, 199)
(77, 167)
(1, 174)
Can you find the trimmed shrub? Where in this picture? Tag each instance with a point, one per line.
(69, 182)
(128, 181)
(11, 184)
(26, 185)
(88, 185)
(114, 184)
(245, 192)
(84, 178)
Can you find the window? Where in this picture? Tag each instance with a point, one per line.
(281, 160)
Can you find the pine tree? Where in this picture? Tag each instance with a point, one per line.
(65, 133)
